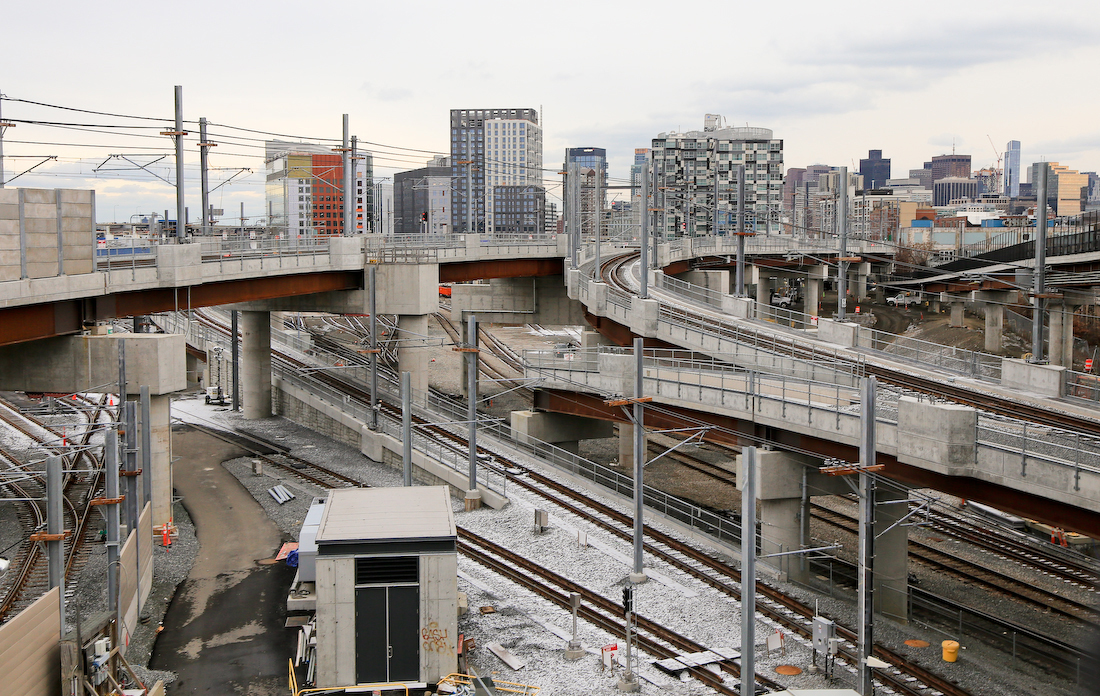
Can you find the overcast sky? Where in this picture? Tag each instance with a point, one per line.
(833, 79)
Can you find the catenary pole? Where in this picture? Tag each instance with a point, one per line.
(372, 279)
(842, 224)
(748, 572)
(204, 166)
(866, 602)
(146, 445)
(639, 461)
(111, 491)
(471, 389)
(469, 183)
(1040, 266)
(181, 213)
(406, 428)
(740, 277)
(644, 246)
(234, 358)
(345, 162)
(3, 127)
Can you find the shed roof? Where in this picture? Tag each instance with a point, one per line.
(372, 515)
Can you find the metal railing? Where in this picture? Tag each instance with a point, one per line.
(224, 249)
(961, 361)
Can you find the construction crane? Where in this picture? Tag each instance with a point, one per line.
(997, 169)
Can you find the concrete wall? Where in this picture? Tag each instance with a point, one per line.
(336, 618)
(80, 363)
(46, 232)
(1044, 380)
(302, 407)
(30, 658)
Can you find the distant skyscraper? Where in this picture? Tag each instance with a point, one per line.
(1064, 187)
(958, 166)
(505, 148)
(637, 170)
(875, 170)
(1012, 169)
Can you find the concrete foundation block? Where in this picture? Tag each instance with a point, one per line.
(842, 333)
(936, 436)
(1044, 380)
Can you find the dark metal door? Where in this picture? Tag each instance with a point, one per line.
(404, 633)
(371, 644)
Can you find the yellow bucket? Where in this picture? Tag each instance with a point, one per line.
(950, 650)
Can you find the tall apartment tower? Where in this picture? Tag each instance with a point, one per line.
(688, 163)
(1012, 169)
(305, 190)
(591, 164)
(875, 170)
(504, 148)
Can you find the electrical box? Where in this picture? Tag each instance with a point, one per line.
(824, 631)
(542, 520)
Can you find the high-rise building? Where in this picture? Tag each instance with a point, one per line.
(421, 199)
(305, 190)
(504, 149)
(943, 166)
(875, 170)
(591, 164)
(951, 188)
(923, 175)
(795, 177)
(1012, 169)
(688, 165)
(1064, 187)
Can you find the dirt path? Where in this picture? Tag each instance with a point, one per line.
(224, 632)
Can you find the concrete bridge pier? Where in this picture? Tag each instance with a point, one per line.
(256, 364)
(891, 552)
(1061, 335)
(863, 271)
(995, 302)
(815, 277)
(957, 306)
(412, 332)
(763, 290)
(784, 506)
(626, 445)
(564, 430)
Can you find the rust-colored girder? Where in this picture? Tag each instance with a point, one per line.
(33, 322)
(466, 271)
(738, 432)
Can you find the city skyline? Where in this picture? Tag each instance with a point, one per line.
(836, 82)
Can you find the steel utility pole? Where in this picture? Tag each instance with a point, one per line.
(406, 428)
(842, 224)
(3, 127)
(714, 213)
(748, 573)
(372, 281)
(181, 212)
(639, 464)
(345, 162)
(473, 496)
(644, 246)
(234, 357)
(597, 203)
(111, 491)
(203, 163)
(352, 203)
(739, 284)
(1040, 267)
(573, 218)
(866, 609)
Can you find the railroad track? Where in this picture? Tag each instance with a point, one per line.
(782, 608)
(978, 575)
(29, 578)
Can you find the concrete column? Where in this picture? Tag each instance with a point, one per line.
(626, 444)
(891, 554)
(994, 327)
(763, 293)
(782, 528)
(195, 371)
(559, 429)
(813, 296)
(1067, 336)
(863, 270)
(411, 356)
(1054, 353)
(956, 314)
(160, 413)
(256, 364)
